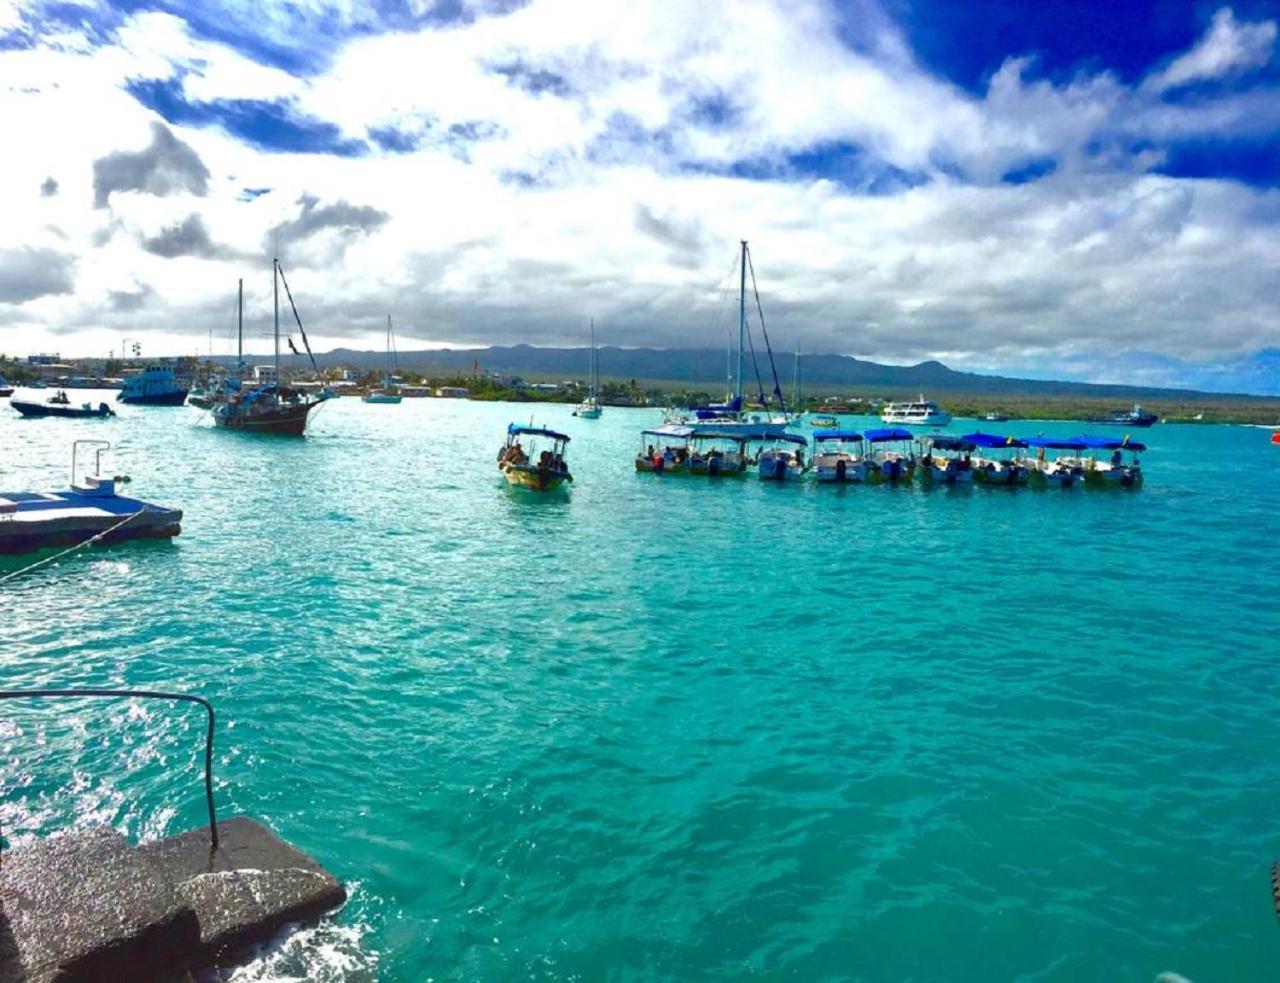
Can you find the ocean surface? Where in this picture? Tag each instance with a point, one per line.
(662, 728)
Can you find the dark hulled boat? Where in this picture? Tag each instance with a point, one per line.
(1136, 417)
(59, 405)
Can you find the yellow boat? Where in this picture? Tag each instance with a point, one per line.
(537, 470)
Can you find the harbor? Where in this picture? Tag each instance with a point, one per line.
(465, 699)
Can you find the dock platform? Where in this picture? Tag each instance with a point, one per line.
(36, 520)
(87, 905)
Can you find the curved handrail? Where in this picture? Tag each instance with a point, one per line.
(23, 694)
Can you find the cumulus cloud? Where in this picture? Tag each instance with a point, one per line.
(27, 273)
(165, 167)
(1228, 47)
(188, 238)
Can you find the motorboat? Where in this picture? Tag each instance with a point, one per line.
(1121, 470)
(822, 421)
(5, 388)
(1057, 472)
(156, 385)
(989, 468)
(837, 457)
(717, 455)
(60, 405)
(947, 460)
(995, 416)
(1136, 417)
(782, 458)
(537, 468)
(665, 450)
(919, 413)
(892, 459)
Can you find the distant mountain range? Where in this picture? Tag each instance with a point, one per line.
(706, 369)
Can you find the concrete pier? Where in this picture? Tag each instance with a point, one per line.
(87, 905)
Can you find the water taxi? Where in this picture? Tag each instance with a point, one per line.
(783, 458)
(1060, 472)
(1116, 472)
(892, 459)
(59, 405)
(946, 461)
(837, 457)
(536, 469)
(1136, 417)
(665, 449)
(717, 455)
(822, 421)
(991, 469)
(156, 385)
(920, 413)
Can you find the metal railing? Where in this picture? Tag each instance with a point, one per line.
(29, 694)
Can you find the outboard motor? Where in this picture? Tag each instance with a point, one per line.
(842, 468)
(713, 466)
(892, 469)
(659, 462)
(779, 468)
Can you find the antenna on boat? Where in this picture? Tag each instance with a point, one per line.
(742, 322)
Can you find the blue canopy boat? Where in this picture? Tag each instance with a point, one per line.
(783, 458)
(547, 471)
(1060, 472)
(665, 450)
(990, 469)
(90, 510)
(892, 458)
(834, 462)
(947, 460)
(1116, 472)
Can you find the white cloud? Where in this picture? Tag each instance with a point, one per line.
(1227, 48)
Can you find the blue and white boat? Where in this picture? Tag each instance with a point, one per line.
(89, 510)
(665, 449)
(838, 457)
(782, 458)
(1118, 471)
(1063, 471)
(156, 385)
(892, 457)
(946, 460)
(991, 468)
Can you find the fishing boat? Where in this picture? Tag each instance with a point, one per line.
(665, 449)
(946, 461)
(270, 408)
(385, 395)
(920, 413)
(822, 421)
(156, 385)
(995, 417)
(1057, 472)
(782, 458)
(5, 388)
(1136, 417)
(990, 468)
(59, 405)
(892, 459)
(1121, 470)
(590, 408)
(534, 468)
(90, 509)
(837, 457)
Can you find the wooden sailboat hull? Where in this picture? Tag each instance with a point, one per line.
(287, 420)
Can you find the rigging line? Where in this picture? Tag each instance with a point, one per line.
(57, 556)
(756, 366)
(294, 307)
(777, 389)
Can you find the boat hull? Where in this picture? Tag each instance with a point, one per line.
(53, 409)
(380, 398)
(778, 469)
(34, 522)
(175, 398)
(534, 478)
(661, 465)
(587, 412)
(932, 474)
(891, 472)
(852, 473)
(289, 421)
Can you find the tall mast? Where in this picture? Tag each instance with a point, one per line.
(742, 321)
(592, 369)
(386, 375)
(275, 298)
(240, 330)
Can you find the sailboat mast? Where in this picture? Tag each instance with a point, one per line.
(593, 368)
(240, 330)
(386, 375)
(742, 321)
(275, 297)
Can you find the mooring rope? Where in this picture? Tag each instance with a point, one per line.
(57, 556)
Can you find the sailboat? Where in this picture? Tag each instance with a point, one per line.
(385, 395)
(271, 407)
(590, 408)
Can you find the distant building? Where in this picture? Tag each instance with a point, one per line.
(43, 359)
(264, 374)
(453, 392)
(545, 387)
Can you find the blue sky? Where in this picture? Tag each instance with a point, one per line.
(1084, 188)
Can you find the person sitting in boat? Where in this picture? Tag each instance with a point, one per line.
(1116, 458)
(517, 455)
(544, 459)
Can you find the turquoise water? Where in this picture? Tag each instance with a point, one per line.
(671, 729)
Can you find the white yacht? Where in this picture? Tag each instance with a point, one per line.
(921, 413)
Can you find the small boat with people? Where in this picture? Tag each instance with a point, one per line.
(90, 510)
(838, 457)
(946, 460)
(1062, 471)
(538, 467)
(892, 457)
(665, 449)
(782, 458)
(718, 455)
(822, 421)
(917, 413)
(1121, 469)
(989, 468)
(156, 385)
(60, 405)
(1136, 417)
